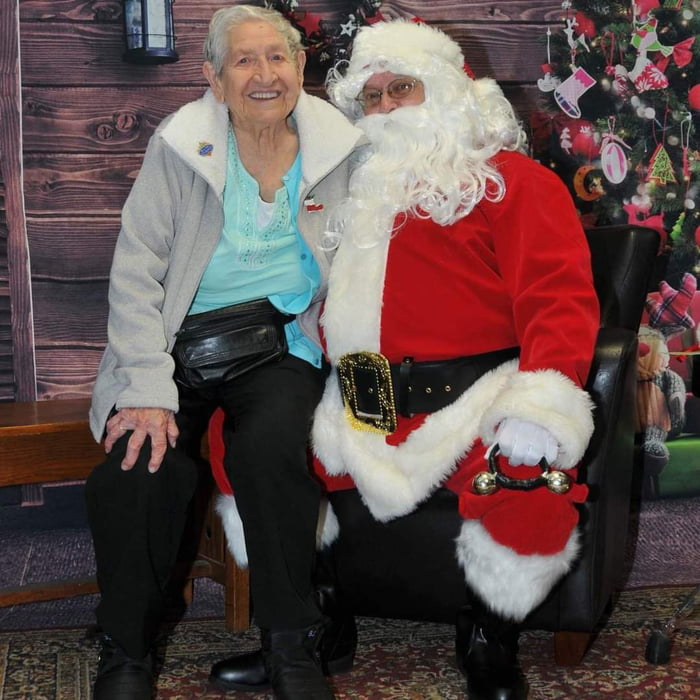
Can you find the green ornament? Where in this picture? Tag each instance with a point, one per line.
(678, 227)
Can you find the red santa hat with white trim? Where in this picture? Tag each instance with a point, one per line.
(404, 47)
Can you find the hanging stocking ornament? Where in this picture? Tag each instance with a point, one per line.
(644, 74)
(569, 92)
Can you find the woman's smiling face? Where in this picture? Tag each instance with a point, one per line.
(261, 80)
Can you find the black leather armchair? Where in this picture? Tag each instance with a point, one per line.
(407, 568)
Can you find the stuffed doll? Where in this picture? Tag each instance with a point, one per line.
(661, 391)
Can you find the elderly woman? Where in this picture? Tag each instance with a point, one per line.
(214, 296)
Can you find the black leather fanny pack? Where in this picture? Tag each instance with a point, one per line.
(216, 346)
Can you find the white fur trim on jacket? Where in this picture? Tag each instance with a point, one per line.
(326, 531)
(551, 400)
(393, 480)
(510, 584)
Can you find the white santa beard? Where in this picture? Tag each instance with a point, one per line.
(419, 161)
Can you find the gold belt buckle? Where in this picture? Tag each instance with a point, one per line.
(368, 374)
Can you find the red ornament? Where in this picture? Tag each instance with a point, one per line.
(644, 7)
(694, 97)
(584, 144)
(697, 236)
(584, 25)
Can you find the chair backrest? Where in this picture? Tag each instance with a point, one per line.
(622, 258)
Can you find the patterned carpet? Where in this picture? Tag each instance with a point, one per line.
(396, 660)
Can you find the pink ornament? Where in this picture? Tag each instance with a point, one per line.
(568, 93)
(584, 25)
(613, 161)
(694, 97)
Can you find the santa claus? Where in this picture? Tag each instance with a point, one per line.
(461, 315)
(461, 319)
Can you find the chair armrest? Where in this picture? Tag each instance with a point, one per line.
(578, 602)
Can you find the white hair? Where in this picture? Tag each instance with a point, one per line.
(216, 43)
(432, 160)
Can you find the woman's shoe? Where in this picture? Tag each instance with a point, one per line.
(121, 677)
(247, 671)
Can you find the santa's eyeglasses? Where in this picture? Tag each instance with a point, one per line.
(398, 89)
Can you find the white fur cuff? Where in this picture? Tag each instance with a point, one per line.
(551, 400)
(511, 584)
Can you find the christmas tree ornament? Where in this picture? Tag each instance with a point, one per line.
(639, 215)
(645, 74)
(646, 38)
(622, 85)
(588, 184)
(642, 8)
(569, 92)
(660, 167)
(585, 143)
(694, 97)
(565, 142)
(681, 53)
(686, 126)
(584, 25)
(613, 159)
(574, 41)
(549, 82)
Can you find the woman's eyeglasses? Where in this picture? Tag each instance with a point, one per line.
(398, 89)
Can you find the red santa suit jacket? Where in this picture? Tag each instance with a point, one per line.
(511, 273)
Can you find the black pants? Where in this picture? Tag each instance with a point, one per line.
(137, 518)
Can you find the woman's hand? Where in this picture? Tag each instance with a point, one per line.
(156, 423)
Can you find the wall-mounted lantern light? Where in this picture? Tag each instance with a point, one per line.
(148, 32)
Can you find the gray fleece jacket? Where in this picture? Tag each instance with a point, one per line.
(171, 223)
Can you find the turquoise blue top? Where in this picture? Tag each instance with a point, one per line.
(262, 253)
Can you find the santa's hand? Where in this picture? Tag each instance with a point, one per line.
(525, 443)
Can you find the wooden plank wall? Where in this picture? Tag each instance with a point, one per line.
(87, 116)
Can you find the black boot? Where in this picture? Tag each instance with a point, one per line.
(293, 664)
(487, 654)
(336, 651)
(120, 677)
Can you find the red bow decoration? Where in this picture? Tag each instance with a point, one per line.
(542, 124)
(682, 54)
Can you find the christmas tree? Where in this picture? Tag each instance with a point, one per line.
(621, 96)
(327, 36)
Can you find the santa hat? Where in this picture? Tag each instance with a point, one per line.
(401, 46)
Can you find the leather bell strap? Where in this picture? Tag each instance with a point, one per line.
(487, 482)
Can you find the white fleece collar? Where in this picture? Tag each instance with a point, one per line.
(198, 133)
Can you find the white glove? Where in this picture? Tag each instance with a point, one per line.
(526, 443)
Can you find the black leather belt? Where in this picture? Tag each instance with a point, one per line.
(375, 391)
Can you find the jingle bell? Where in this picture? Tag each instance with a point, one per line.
(557, 481)
(484, 483)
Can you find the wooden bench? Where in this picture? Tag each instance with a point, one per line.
(50, 441)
